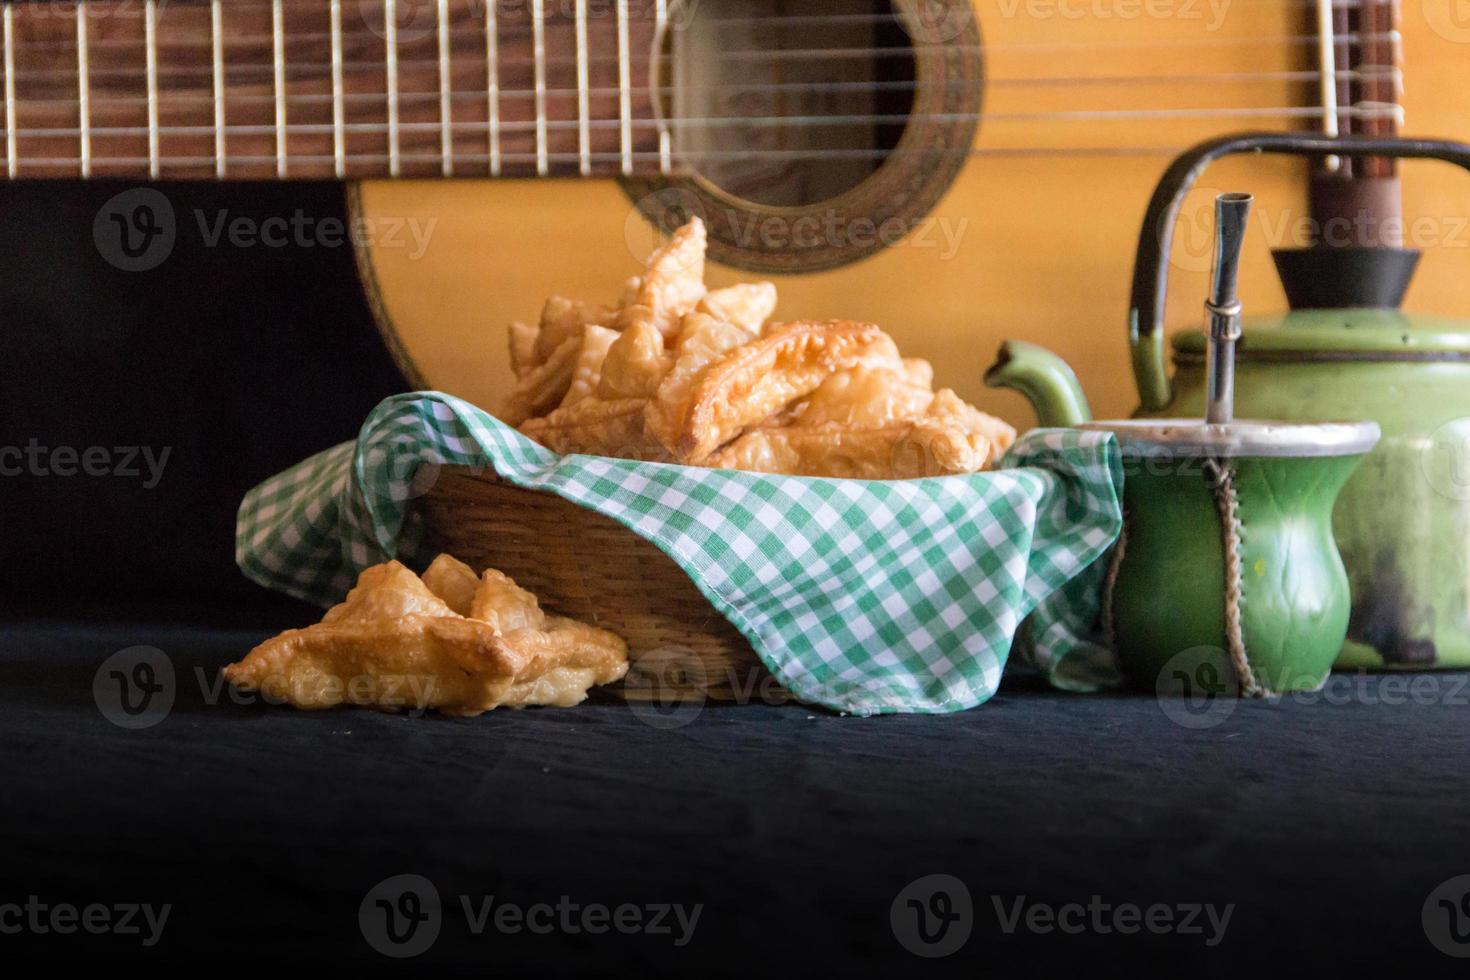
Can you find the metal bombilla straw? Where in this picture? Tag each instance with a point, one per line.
(1223, 307)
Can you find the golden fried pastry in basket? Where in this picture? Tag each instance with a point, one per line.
(674, 282)
(758, 380)
(544, 386)
(636, 363)
(587, 374)
(866, 397)
(882, 441)
(676, 373)
(748, 305)
(396, 645)
(523, 348)
(595, 427)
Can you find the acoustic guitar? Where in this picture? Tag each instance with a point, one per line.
(958, 173)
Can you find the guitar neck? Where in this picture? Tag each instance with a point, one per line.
(304, 89)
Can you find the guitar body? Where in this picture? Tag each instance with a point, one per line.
(1028, 245)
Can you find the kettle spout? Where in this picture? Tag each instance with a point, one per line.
(1044, 379)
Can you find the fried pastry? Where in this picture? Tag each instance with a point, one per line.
(866, 397)
(544, 386)
(393, 645)
(758, 380)
(674, 282)
(453, 582)
(950, 438)
(562, 319)
(598, 427)
(636, 363)
(678, 373)
(587, 373)
(748, 305)
(523, 348)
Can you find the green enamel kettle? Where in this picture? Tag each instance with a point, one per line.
(1402, 522)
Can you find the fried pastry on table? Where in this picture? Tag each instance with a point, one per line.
(394, 645)
(674, 282)
(453, 582)
(758, 380)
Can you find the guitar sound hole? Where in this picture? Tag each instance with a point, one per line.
(787, 103)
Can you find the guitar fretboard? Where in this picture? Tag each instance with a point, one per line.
(300, 89)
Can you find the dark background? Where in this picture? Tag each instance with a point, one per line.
(1327, 826)
(239, 361)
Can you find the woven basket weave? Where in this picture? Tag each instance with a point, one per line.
(591, 568)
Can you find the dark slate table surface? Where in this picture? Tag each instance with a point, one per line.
(1323, 824)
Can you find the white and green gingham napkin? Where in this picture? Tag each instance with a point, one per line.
(863, 597)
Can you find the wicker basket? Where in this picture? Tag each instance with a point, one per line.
(591, 568)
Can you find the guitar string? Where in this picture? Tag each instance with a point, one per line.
(563, 125)
(792, 122)
(472, 40)
(1392, 74)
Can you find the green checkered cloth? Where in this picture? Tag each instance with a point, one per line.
(864, 597)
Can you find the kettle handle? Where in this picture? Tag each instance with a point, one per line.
(1150, 268)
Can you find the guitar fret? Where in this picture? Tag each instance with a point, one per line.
(390, 41)
(150, 46)
(446, 88)
(84, 93)
(538, 31)
(625, 95)
(10, 127)
(559, 93)
(492, 85)
(217, 66)
(278, 65)
(339, 108)
(584, 112)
